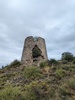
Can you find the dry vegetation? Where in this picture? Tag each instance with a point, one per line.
(49, 81)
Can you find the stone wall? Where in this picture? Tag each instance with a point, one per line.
(27, 57)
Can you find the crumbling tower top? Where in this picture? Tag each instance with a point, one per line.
(34, 51)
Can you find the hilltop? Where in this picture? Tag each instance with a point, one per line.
(49, 81)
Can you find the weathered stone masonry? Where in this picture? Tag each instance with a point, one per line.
(31, 44)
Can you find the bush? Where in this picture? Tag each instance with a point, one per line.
(53, 61)
(11, 93)
(67, 56)
(66, 68)
(60, 73)
(32, 72)
(65, 93)
(43, 64)
(37, 91)
(71, 83)
(15, 64)
(73, 61)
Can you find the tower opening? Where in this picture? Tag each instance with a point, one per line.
(36, 52)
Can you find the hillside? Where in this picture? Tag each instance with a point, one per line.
(46, 82)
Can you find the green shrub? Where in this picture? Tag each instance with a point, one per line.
(37, 91)
(66, 68)
(71, 83)
(67, 56)
(73, 61)
(60, 73)
(65, 93)
(14, 64)
(32, 72)
(43, 64)
(11, 93)
(53, 61)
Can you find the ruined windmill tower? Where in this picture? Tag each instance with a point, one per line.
(34, 51)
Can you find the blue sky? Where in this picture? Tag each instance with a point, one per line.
(53, 20)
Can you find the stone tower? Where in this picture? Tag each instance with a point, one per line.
(34, 51)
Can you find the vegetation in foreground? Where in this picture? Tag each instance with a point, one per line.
(52, 80)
